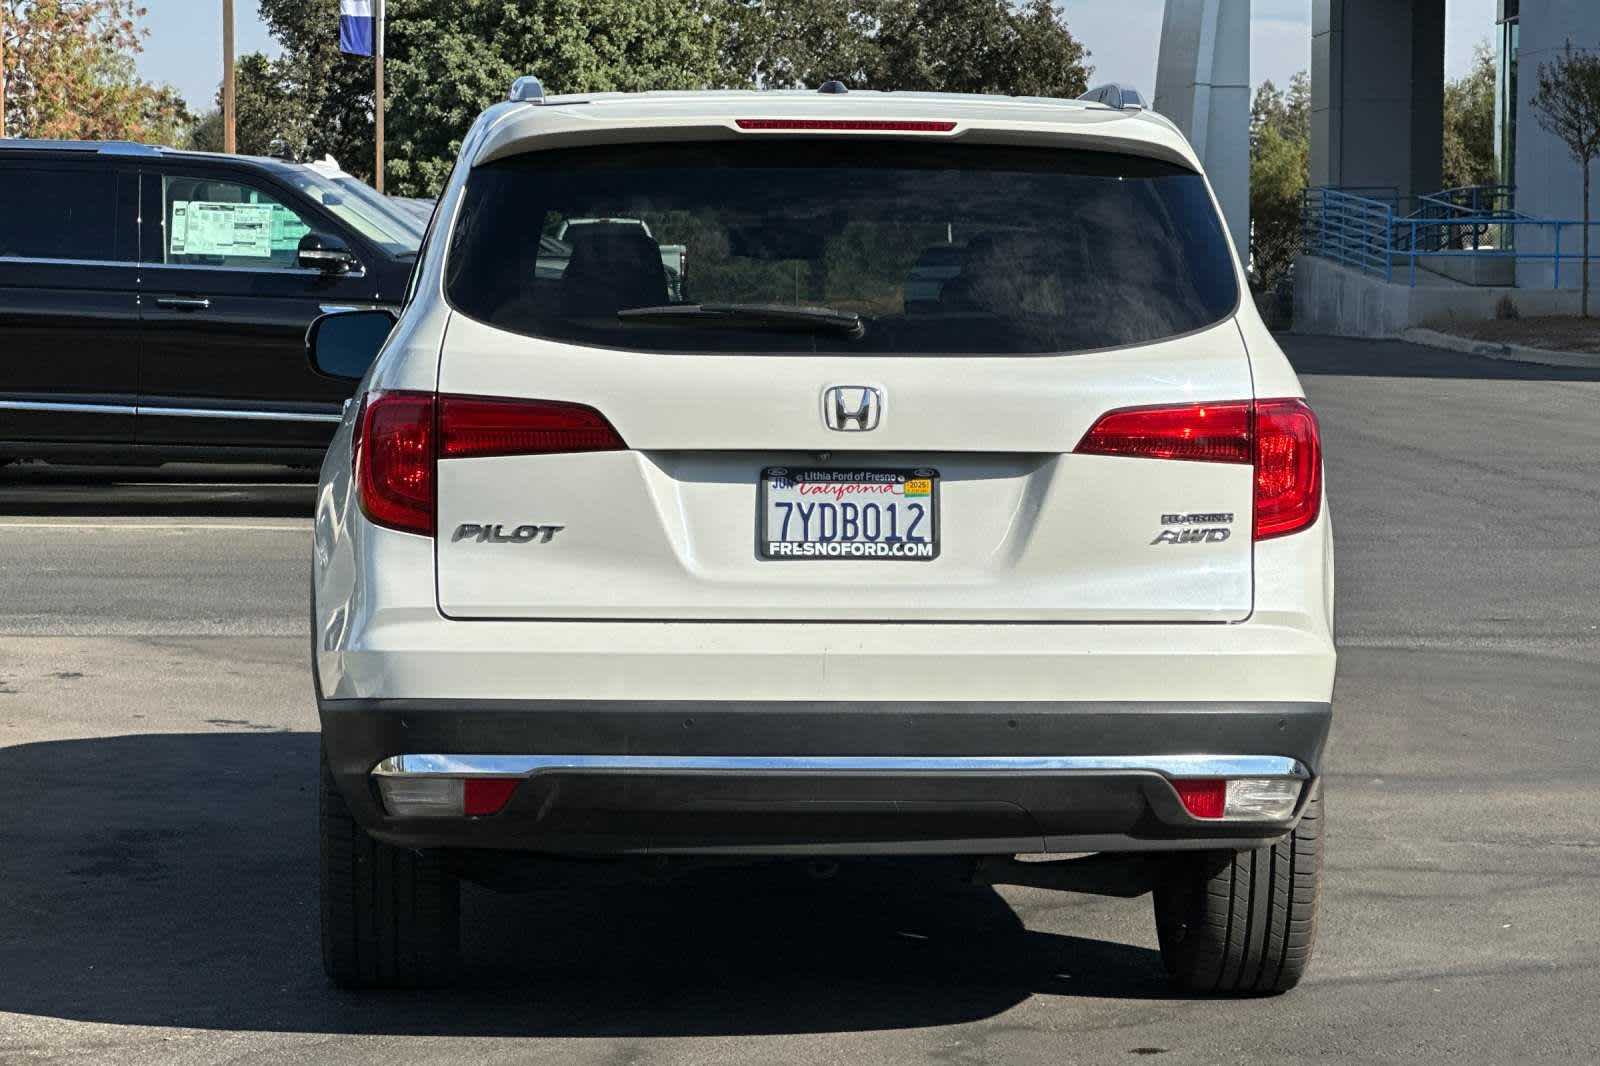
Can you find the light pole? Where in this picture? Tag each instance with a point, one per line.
(229, 107)
(377, 51)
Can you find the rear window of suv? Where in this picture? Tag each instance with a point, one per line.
(938, 249)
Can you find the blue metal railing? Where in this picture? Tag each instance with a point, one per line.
(1423, 235)
(1355, 230)
(1364, 229)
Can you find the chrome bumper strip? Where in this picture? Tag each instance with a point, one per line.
(244, 414)
(1172, 766)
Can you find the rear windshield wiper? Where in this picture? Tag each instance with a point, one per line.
(783, 317)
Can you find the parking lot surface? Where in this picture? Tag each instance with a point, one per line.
(158, 898)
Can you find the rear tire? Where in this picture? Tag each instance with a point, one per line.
(1244, 922)
(390, 917)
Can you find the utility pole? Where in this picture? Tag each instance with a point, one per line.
(377, 51)
(230, 112)
(2, 70)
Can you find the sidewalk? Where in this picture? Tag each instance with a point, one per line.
(1516, 353)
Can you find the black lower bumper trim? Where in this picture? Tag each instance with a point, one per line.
(822, 812)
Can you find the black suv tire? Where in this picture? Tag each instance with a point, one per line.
(1243, 922)
(390, 917)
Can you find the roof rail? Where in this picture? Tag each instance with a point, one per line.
(526, 90)
(101, 147)
(1118, 96)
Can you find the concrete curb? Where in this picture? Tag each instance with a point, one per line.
(1513, 353)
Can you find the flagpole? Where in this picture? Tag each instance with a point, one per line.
(378, 95)
(230, 143)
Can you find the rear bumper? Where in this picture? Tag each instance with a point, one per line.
(620, 777)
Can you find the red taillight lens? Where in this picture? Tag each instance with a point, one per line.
(865, 125)
(1200, 433)
(1278, 437)
(1203, 797)
(471, 426)
(486, 795)
(1288, 457)
(394, 460)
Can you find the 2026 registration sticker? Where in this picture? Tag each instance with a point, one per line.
(849, 514)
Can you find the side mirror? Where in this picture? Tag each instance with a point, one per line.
(342, 345)
(320, 251)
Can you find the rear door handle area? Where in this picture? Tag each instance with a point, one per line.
(183, 303)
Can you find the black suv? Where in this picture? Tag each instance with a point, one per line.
(154, 303)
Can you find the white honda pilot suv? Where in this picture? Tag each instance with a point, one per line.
(718, 525)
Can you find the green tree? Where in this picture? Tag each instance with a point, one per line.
(449, 59)
(787, 44)
(70, 74)
(1280, 167)
(268, 121)
(1469, 123)
(978, 46)
(1567, 103)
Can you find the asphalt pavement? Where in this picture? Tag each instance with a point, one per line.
(157, 805)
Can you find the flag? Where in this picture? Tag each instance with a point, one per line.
(355, 27)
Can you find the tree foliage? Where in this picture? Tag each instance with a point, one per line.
(1469, 123)
(70, 74)
(1280, 168)
(449, 59)
(978, 46)
(268, 120)
(1567, 103)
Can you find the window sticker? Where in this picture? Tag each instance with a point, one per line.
(238, 230)
(287, 229)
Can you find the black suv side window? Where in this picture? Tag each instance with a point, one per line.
(57, 212)
(215, 222)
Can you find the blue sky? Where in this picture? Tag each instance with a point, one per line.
(185, 42)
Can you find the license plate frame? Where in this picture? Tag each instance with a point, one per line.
(767, 550)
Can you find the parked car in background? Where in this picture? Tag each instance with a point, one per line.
(782, 565)
(418, 208)
(154, 303)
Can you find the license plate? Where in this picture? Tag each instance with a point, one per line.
(848, 514)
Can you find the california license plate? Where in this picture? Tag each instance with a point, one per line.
(848, 514)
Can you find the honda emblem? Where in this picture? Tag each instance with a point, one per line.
(852, 408)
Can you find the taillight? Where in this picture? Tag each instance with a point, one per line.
(475, 426)
(1288, 467)
(1278, 437)
(394, 460)
(400, 436)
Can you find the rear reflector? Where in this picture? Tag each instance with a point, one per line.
(474, 426)
(1205, 798)
(863, 125)
(445, 797)
(394, 460)
(486, 795)
(1278, 437)
(1240, 799)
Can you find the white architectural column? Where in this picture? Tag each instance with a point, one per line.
(1549, 180)
(1203, 85)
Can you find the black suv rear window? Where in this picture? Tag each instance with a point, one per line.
(58, 213)
(939, 249)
